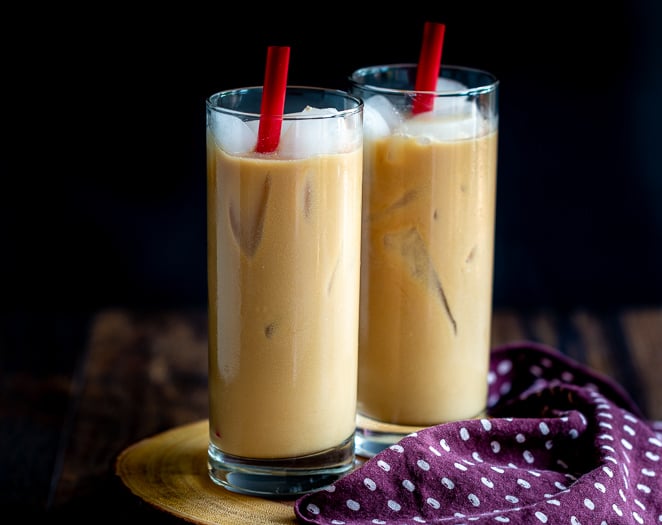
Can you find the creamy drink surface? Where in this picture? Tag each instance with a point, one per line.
(285, 235)
(426, 282)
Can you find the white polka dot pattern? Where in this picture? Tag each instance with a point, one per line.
(561, 445)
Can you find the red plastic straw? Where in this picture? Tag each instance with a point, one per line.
(429, 63)
(273, 99)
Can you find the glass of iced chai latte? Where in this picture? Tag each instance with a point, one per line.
(283, 274)
(427, 255)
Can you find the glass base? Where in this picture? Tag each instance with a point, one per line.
(372, 436)
(282, 477)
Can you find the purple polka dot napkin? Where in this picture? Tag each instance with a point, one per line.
(561, 444)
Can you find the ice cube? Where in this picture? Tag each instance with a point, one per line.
(380, 116)
(231, 133)
(247, 217)
(434, 126)
(456, 104)
(316, 134)
(449, 84)
(413, 252)
(300, 138)
(454, 117)
(374, 124)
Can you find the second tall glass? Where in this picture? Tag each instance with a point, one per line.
(429, 198)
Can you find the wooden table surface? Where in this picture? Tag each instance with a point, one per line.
(78, 389)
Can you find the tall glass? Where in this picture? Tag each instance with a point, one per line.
(284, 234)
(429, 199)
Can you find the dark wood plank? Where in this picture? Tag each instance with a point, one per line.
(643, 334)
(40, 368)
(144, 374)
(618, 345)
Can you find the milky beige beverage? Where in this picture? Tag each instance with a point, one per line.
(427, 259)
(285, 237)
(428, 279)
(283, 272)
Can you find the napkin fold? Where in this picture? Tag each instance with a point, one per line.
(561, 444)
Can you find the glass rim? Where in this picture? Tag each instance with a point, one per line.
(478, 90)
(341, 113)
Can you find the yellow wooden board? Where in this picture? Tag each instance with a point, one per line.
(169, 471)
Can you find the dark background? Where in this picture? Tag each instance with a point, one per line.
(103, 165)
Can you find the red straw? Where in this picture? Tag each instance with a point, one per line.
(273, 99)
(429, 63)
